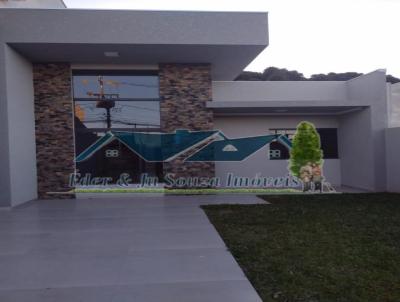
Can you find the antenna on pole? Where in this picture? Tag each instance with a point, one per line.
(104, 100)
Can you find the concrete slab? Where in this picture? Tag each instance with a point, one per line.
(119, 249)
(214, 291)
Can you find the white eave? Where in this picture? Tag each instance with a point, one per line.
(228, 41)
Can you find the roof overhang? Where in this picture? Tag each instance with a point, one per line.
(227, 40)
(33, 4)
(281, 108)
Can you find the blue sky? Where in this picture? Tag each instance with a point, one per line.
(311, 36)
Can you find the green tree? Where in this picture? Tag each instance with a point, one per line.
(282, 74)
(306, 147)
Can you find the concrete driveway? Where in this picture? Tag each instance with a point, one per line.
(137, 249)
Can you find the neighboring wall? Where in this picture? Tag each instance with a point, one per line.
(361, 134)
(393, 159)
(259, 162)
(394, 104)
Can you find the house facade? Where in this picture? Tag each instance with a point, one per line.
(69, 76)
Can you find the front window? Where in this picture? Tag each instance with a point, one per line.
(116, 100)
(329, 143)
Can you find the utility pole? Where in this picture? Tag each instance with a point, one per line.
(104, 100)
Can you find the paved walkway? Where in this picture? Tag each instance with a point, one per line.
(142, 249)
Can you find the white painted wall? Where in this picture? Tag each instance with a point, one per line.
(21, 126)
(239, 91)
(362, 134)
(5, 194)
(356, 150)
(259, 162)
(394, 104)
(392, 136)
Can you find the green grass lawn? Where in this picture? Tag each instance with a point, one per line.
(340, 247)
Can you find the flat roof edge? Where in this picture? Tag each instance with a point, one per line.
(72, 9)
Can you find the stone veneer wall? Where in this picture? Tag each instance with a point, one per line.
(54, 128)
(184, 91)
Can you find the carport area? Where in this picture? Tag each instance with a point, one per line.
(118, 249)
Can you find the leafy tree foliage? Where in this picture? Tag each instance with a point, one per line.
(250, 76)
(392, 79)
(306, 147)
(282, 74)
(278, 74)
(332, 76)
(272, 74)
